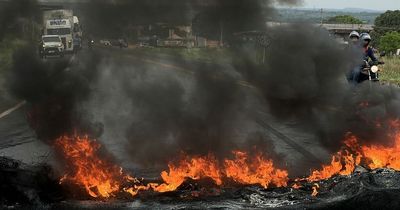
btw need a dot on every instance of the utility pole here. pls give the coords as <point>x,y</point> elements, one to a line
<point>322,16</point>
<point>264,54</point>
<point>221,39</point>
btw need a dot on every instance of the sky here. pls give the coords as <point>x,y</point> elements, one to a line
<point>364,4</point>
<point>338,4</point>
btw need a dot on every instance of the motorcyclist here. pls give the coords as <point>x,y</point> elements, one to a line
<point>354,46</point>
<point>354,37</point>
<point>368,54</point>
<point>90,43</point>
<point>368,51</point>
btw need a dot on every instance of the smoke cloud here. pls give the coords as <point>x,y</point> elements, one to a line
<point>210,18</point>
<point>153,114</point>
<point>196,121</point>
<point>163,114</point>
<point>304,79</point>
<point>18,16</point>
<point>53,88</point>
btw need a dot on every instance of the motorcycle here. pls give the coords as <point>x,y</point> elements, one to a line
<point>370,71</point>
<point>90,44</point>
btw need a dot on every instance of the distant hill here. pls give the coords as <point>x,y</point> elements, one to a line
<point>360,10</point>
<point>314,15</point>
<point>349,9</point>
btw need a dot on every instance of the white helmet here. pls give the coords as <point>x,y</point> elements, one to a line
<point>366,37</point>
<point>354,34</point>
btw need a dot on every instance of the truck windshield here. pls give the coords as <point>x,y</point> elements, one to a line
<point>58,31</point>
<point>51,39</point>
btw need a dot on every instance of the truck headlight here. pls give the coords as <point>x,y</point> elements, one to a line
<point>60,45</point>
<point>43,46</point>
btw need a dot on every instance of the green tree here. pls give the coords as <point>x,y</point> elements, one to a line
<point>344,19</point>
<point>390,20</point>
<point>384,23</point>
<point>390,42</point>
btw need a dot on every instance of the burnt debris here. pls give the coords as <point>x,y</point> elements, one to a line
<point>373,189</point>
<point>27,185</point>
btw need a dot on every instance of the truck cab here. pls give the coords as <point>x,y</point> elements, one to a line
<point>51,45</point>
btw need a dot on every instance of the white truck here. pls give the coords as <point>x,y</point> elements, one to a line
<point>64,24</point>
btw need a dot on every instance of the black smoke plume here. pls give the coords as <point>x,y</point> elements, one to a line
<point>209,18</point>
<point>114,18</point>
<point>53,88</point>
<point>19,18</point>
<point>196,121</point>
<point>304,79</point>
<point>164,116</point>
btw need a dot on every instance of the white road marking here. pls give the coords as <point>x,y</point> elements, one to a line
<point>12,109</point>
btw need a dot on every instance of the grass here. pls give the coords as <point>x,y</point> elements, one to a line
<point>390,72</point>
<point>7,48</point>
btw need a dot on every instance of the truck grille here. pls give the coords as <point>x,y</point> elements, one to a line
<point>51,50</point>
<point>64,41</point>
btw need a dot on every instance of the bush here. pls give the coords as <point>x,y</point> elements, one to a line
<point>390,42</point>
<point>344,19</point>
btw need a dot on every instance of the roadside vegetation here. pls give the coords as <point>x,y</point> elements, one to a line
<point>391,70</point>
<point>386,37</point>
<point>390,42</point>
<point>7,48</point>
<point>386,34</point>
<point>344,19</point>
<point>19,24</point>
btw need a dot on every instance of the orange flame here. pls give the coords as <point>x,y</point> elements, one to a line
<point>241,169</point>
<point>296,186</point>
<point>101,178</point>
<point>381,156</point>
<point>257,170</point>
<point>86,168</point>
<point>351,155</point>
<point>194,168</point>
<point>343,162</point>
<point>315,190</point>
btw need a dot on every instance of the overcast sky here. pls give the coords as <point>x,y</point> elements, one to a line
<point>365,4</point>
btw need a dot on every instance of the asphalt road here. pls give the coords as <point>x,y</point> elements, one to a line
<point>298,149</point>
